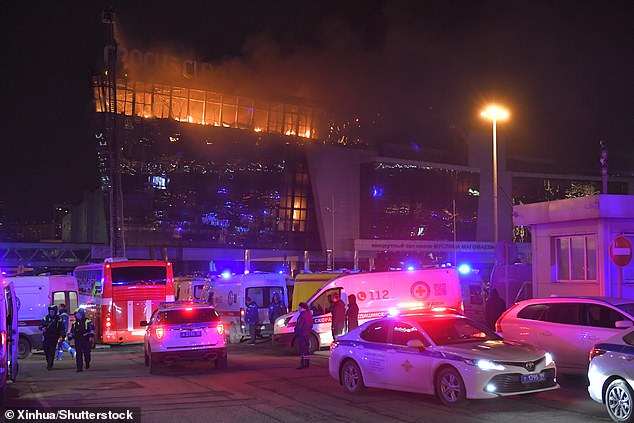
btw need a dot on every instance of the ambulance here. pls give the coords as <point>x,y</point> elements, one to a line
<point>228,296</point>
<point>8,337</point>
<point>34,295</point>
<point>188,288</point>
<point>377,293</point>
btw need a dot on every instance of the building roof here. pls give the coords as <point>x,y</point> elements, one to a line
<point>579,208</point>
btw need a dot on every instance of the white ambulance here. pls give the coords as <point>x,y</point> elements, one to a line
<point>34,295</point>
<point>8,337</point>
<point>228,296</point>
<point>378,293</point>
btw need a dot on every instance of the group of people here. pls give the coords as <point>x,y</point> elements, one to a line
<point>252,316</point>
<point>55,331</point>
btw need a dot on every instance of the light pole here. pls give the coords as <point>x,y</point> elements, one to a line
<point>495,113</point>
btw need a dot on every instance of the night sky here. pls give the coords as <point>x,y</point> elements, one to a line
<point>563,68</point>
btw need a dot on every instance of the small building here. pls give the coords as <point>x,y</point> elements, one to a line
<point>571,245</point>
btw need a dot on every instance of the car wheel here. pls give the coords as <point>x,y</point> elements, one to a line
<point>450,387</point>
<point>234,338</point>
<point>24,348</point>
<point>146,358</point>
<point>221,362</point>
<point>351,378</point>
<point>154,364</point>
<point>619,401</point>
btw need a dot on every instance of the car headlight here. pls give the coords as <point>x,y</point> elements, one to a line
<point>282,321</point>
<point>485,364</point>
<point>548,359</point>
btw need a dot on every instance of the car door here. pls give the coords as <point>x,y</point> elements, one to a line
<point>372,353</point>
<point>599,323</point>
<point>408,367</point>
<point>559,332</point>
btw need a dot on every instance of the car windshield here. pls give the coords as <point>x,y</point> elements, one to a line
<point>188,315</point>
<point>453,330</point>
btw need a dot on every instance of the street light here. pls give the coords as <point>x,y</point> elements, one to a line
<point>495,113</point>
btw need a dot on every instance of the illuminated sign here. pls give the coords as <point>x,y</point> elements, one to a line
<point>148,60</point>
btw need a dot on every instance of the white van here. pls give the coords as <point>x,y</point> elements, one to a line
<point>34,295</point>
<point>378,293</point>
<point>8,337</point>
<point>228,296</point>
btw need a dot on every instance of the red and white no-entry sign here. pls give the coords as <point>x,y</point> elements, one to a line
<point>621,251</point>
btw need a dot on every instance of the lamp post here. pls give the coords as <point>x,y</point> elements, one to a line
<point>495,113</point>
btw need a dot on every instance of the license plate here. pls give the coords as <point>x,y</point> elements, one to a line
<point>534,377</point>
<point>190,333</point>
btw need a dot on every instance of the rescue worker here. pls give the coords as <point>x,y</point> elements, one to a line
<point>493,308</point>
<point>63,345</point>
<point>302,332</point>
<point>352,314</point>
<point>338,310</point>
<point>52,329</point>
<point>83,332</point>
<point>251,318</point>
<point>277,308</point>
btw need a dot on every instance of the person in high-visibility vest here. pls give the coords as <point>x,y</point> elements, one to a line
<point>83,332</point>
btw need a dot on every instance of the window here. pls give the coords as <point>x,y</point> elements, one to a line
<point>263,295</point>
<point>576,258</point>
<point>601,316</point>
<point>565,313</point>
<point>321,305</point>
<point>533,312</point>
<point>404,332</point>
<point>376,332</point>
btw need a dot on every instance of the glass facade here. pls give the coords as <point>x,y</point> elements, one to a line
<point>203,186</point>
<point>400,201</point>
<point>202,107</point>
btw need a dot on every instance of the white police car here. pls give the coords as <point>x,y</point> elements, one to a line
<point>439,353</point>
<point>611,375</point>
<point>184,330</point>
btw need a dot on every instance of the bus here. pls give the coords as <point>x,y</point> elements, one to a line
<point>119,293</point>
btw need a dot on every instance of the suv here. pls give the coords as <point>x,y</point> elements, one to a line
<point>567,327</point>
<point>184,330</point>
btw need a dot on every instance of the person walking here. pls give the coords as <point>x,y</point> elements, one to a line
<point>277,308</point>
<point>338,310</point>
<point>251,318</point>
<point>83,332</point>
<point>63,345</point>
<point>302,332</point>
<point>493,308</point>
<point>52,329</point>
<point>352,313</point>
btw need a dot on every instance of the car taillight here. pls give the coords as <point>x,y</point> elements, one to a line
<point>220,328</point>
<point>159,332</point>
<point>108,322</point>
<point>595,352</point>
<point>241,316</point>
<point>498,322</point>
<point>333,345</point>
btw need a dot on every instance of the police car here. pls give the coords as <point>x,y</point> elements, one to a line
<point>439,353</point>
<point>611,375</point>
<point>184,330</point>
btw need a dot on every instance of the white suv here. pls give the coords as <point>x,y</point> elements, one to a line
<point>567,327</point>
<point>184,330</point>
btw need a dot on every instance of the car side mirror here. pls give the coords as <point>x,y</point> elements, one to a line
<point>143,323</point>
<point>416,343</point>
<point>623,324</point>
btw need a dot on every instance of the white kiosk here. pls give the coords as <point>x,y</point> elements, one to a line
<point>579,245</point>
